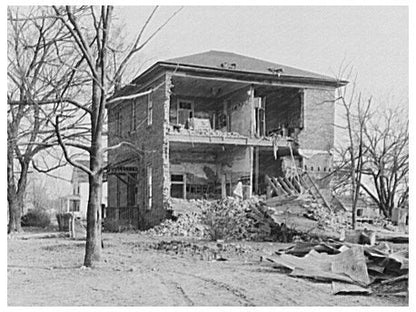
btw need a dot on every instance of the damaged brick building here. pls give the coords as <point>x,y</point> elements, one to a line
<point>207,124</point>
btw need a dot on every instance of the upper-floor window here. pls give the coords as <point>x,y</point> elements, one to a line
<point>185,111</point>
<point>118,122</point>
<point>150,108</point>
<point>133,121</point>
<point>76,189</point>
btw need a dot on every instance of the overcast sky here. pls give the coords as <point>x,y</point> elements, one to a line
<point>373,39</point>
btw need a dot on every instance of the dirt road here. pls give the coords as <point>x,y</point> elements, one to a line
<point>47,272</point>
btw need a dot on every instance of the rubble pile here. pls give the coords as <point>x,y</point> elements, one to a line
<point>235,219</point>
<point>326,218</point>
<point>229,219</point>
<point>351,268</point>
<point>187,224</point>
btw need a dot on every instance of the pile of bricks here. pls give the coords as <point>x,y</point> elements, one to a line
<point>187,224</point>
<point>327,219</point>
<point>235,219</point>
<point>228,219</point>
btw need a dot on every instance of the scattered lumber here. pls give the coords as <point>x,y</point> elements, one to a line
<point>393,237</point>
<point>349,289</point>
<point>351,268</point>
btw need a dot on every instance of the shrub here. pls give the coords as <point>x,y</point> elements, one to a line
<point>38,218</point>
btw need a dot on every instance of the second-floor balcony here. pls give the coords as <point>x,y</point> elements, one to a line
<point>200,131</point>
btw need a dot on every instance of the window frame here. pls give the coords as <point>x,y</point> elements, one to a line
<point>133,120</point>
<point>149,186</point>
<point>150,108</point>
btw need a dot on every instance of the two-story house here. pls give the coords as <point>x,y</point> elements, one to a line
<point>206,123</point>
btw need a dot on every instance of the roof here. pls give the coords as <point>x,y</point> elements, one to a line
<point>231,65</point>
<point>224,60</point>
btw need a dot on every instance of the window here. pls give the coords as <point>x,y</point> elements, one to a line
<point>74,205</point>
<point>259,108</point>
<point>149,186</point>
<point>118,123</point>
<point>185,111</point>
<point>149,108</point>
<point>177,186</point>
<point>133,121</point>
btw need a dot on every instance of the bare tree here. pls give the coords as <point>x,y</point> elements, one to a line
<point>36,80</point>
<point>357,113</point>
<point>387,159</point>
<point>377,146</point>
<point>91,30</point>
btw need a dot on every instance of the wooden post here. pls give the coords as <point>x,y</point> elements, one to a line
<point>250,159</point>
<point>223,186</point>
<point>72,225</point>
<point>256,170</point>
<point>253,112</point>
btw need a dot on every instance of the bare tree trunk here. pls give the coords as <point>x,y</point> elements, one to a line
<point>93,245</point>
<point>15,194</point>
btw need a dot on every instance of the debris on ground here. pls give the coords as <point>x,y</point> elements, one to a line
<point>214,251</point>
<point>372,269</point>
<point>229,218</point>
<point>281,218</point>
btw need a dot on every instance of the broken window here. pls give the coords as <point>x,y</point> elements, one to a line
<point>150,109</point>
<point>149,186</point>
<point>185,111</point>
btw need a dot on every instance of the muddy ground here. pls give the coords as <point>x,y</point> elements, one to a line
<point>139,270</point>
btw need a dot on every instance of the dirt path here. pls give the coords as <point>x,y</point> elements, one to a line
<point>47,272</point>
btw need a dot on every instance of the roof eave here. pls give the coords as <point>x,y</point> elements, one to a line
<point>310,80</point>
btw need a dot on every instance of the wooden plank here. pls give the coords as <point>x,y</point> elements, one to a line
<point>256,170</point>
<point>285,186</point>
<point>223,186</point>
<point>396,279</point>
<point>349,289</point>
<point>280,187</point>
<point>269,181</point>
<point>290,185</point>
<point>318,192</point>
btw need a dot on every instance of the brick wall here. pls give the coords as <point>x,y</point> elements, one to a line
<point>318,131</point>
<point>147,138</point>
<point>318,120</point>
